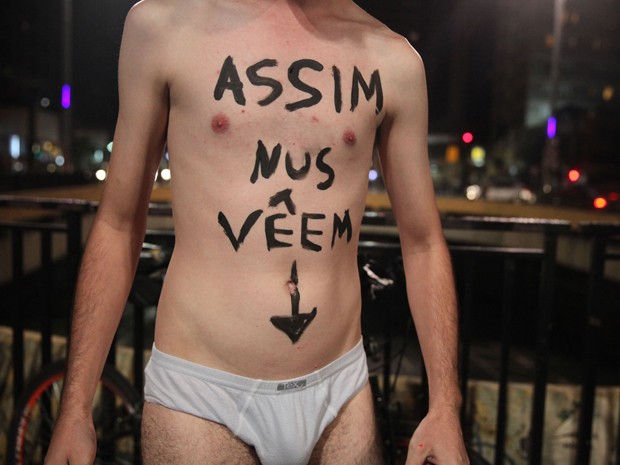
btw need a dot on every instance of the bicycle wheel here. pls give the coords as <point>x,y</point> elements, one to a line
<point>116,417</point>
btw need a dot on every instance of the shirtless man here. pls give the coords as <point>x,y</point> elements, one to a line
<point>270,110</point>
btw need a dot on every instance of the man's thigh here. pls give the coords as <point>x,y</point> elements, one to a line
<point>352,438</point>
<point>174,438</point>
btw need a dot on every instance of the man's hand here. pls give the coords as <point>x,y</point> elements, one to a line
<point>74,441</point>
<point>438,441</point>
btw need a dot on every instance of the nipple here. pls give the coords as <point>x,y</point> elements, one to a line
<point>349,137</point>
<point>220,123</point>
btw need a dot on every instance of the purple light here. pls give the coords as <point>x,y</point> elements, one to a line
<point>552,126</point>
<point>66,96</point>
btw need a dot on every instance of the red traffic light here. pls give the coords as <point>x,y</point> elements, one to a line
<point>574,175</point>
<point>467,137</point>
<point>600,203</point>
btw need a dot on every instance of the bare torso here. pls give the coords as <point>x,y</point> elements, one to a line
<point>254,232</point>
<point>270,110</point>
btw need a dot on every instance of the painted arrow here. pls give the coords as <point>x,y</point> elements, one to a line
<point>295,324</point>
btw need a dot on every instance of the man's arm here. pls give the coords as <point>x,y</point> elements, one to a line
<point>112,250</point>
<point>430,288</point>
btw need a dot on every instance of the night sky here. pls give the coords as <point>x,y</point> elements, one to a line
<point>34,61</point>
<point>98,30</point>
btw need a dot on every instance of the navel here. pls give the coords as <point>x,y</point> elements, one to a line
<point>220,123</point>
<point>349,137</point>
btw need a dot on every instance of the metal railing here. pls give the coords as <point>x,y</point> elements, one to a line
<point>546,257</point>
<point>377,229</point>
<point>602,236</point>
<point>66,221</point>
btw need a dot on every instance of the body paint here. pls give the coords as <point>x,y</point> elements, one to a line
<point>271,231</point>
<point>255,79</point>
<point>341,226</point>
<point>337,89</point>
<point>229,80</point>
<point>245,229</point>
<point>368,89</point>
<point>293,77</point>
<point>301,173</point>
<point>325,168</point>
<point>266,165</point>
<point>305,232</point>
<point>264,162</point>
<point>295,324</point>
<point>283,196</point>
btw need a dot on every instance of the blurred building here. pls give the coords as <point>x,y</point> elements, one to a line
<point>32,56</point>
<point>487,64</point>
<point>587,87</point>
<point>29,77</point>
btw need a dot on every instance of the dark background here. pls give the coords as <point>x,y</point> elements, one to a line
<point>488,65</point>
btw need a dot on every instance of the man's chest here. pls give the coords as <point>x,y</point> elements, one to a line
<point>295,83</point>
<point>277,81</point>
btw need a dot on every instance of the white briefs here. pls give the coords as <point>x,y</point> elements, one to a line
<point>283,420</point>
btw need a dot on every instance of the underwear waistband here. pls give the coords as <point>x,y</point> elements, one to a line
<point>243,383</point>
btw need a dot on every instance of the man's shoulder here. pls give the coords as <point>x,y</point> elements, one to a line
<point>392,47</point>
<point>150,17</point>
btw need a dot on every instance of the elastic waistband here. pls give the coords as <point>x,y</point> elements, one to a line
<point>179,365</point>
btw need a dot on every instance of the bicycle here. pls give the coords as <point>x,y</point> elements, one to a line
<point>379,277</point>
<point>117,406</point>
<point>116,415</point>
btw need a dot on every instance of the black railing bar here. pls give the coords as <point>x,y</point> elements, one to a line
<point>599,228</point>
<point>64,204</point>
<point>498,223</point>
<point>463,249</point>
<point>465,328</point>
<point>17,245</point>
<point>502,402</point>
<point>593,322</point>
<point>363,244</point>
<point>138,346</point>
<point>387,231</point>
<point>617,454</point>
<point>46,326</point>
<point>612,256</point>
<point>512,251</point>
<point>477,249</point>
<point>160,209</point>
<point>159,233</point>
<point>24,226</point>
<point>378,217</point>
<point>74,256</point>
<point>67,204</point>
<point>491,223</point>
<point>543,349</point>
<point>111,358</point>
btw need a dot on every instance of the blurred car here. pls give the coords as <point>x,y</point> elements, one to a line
<point>501,189</point>
<point>606,198</point>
